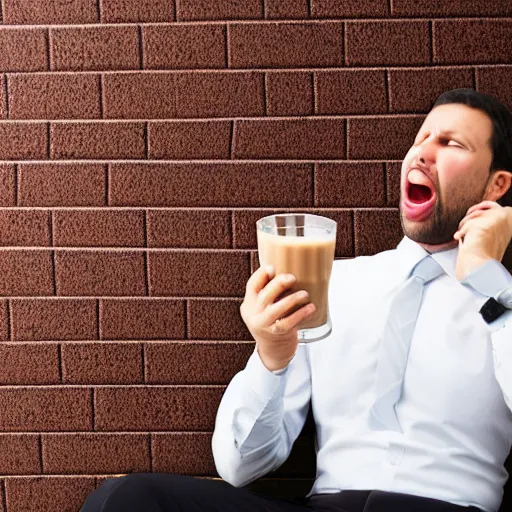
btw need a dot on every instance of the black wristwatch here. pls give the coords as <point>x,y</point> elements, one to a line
<point>496,306</point>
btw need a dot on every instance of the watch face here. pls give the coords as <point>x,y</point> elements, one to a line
<point>492,310</point>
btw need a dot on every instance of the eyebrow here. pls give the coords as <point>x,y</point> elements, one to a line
<point>450,133</point>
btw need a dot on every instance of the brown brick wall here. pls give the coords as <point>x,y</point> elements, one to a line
<point>140,142</point>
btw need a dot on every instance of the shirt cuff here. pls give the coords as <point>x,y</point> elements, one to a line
<point>261,380</point>
<point>491,279</point>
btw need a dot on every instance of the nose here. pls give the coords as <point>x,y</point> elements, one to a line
<point>426,153</point>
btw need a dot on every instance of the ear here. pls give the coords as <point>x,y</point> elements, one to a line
<point>499,183</point>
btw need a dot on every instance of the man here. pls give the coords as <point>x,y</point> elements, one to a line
<point>434,438</point>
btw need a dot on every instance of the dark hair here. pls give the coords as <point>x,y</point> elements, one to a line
<point>501,117</point>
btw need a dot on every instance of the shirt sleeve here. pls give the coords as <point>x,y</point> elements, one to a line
<point>259,418</point>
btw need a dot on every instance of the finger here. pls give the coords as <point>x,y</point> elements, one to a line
<point>285,306</point>
<point>293,320</point>
<point>484,205</point>
<point>474,215</point>
<point>259,279</point>
<point>277,286</point>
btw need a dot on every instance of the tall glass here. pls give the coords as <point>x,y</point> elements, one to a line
<point>302,245</point>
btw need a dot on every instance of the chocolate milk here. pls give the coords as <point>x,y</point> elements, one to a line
<point>309,259</point>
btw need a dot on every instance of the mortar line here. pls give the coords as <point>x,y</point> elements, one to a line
<point>40,446</point>
<point>231,139</point>
<point>92,408</point>
<point>187,318</point>
<point>54,277</point>
<point>231,228</point>
<point>6,97</point>
<point>98,9</point>
<point>100,86</point>
<point>59,357</point>
<point>141,49</point>
<point>4,497</point>
<point>16,191</point>
<point>386,89</point>
<point>431,35</point>
<point>98,330</point>
<point>107,185</point>
<point>143,362</point>
<point>8,312</point>
<point>385,176</point>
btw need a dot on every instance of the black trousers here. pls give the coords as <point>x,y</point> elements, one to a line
<point>153,492</point>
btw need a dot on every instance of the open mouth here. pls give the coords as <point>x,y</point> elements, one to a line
<point>420,196</point>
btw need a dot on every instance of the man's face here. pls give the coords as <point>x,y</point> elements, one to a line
<point>445,172</point>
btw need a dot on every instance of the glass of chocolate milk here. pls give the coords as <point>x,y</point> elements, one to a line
<point>302,245</point>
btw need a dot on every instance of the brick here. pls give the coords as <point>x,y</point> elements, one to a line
<point>99,140</point>
<point>23,49</point>
<point>184,46</point>
<point>49,12</point>
<point>3,97</point>
<point>47,494</point>
<point>45,409</point>
<point>355,184</point>
<point>351,9</point>
<point>436,8</point>
<point>29,364</point>
<point>210,185</point>
<point>66,96</point>
<point>98,228</point>
<point>220,10</point>
<point>406,96</point>
<point>195,363</point>
<point>197,273</point>
<point>23,141</point>
<point>382,138</point>
<point>127,11</point>
<point>102,363</point>
<point>286,9</point>
<point>142,319</point>
<point>157,408</point>
<point>382,43</point>
<point>496,81</point>
<point>7,185</point>
<point>24,228</point>
<point>189,140</point>
<point>4,321</point>
<point>25,272</point>
<point>99,272</point>
<point>472,41</point>
<point>351,92</point>
<point>210,94</point>
<point>216,319</point>
<point>290,138</point>
<point>139,95</point>
<point>76,454</point>
<point>285,45</point>
<point>189,229</point>
<point>20,454</point>
<point>59,184</point>
<point>289,93</point>
<point>94,48</point>
<point>376,231</point>
<point>53,319</point>
<point>183,453</point>
<point>393,173</point>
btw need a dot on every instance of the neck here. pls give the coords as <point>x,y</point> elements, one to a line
<point>440,247</point>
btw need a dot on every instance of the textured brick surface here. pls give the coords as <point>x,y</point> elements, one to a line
<point>366,140</point>
<point>376,231</point>
<point>350,9</point>
<point>216,319</point>
<point>496,81</point>
<point>351,92</point>
<point>198,273</point>
<point>125,11</point>
<point>393,170</point>
<point>189,140</point>
<point>285,45</point>
<point>101,363</point>
<point>283,9</point>
<point>289,94</point>
<point>350,184</point>
<point>45,409</point>
<point>244,227</point>
<point>156,408</point>
<point>142,319</point>
<point>66,96</point>
<point>97,140</point>
<point>24,227</point>
<point>222,9</point>
<point>94,48</point>
<point>407,95</point>
<point>51,12</point>
<point>195,363</point>
<point>293,139</point>
<point>29,364</point>
<point>62,184</point>
<point>183,453</point>
<point>472,41</point>
<point>47,494</point>
<point>20,454</point>
<point>189,229</point>
<point>3,97</point>
<point>452,8</point>
<point>22,140</point>
<point>210,185</point>
<point>7,187</point>
<point>98,272</point>
<point>98,228</point>
<point>77,454</point>
<point>4,321</point>
<point>25,272</point>
<point>387,43</point>
<point>23,49</point>
<point>53,319</point>
<point>184,46</point>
